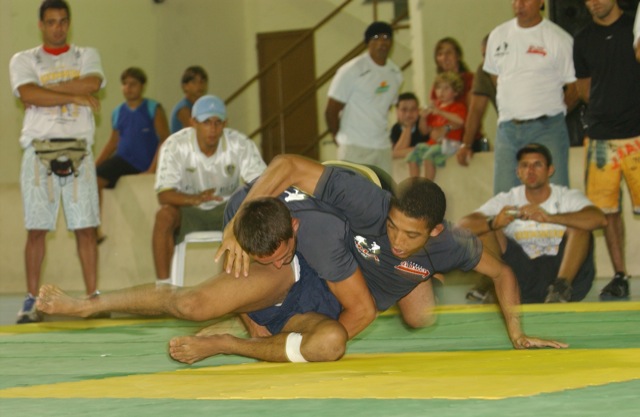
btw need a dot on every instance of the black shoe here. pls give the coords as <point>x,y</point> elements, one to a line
<point>617,289</point>
<point>559,291</point>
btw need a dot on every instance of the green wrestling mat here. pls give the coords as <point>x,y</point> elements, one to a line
<point>463,366</point>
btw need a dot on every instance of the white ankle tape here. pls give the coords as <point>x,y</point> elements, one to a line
<point>294,340</point>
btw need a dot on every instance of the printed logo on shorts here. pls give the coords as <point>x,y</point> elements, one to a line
<point>413,270</point>
<point>369,251</point>
<point>622,151</point>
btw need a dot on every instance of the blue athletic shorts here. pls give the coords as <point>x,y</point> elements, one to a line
<point>309,294</point>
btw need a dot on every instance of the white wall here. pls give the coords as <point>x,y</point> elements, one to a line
<point>332,41</point>
<point>219,35</point>
<point>164,39</point>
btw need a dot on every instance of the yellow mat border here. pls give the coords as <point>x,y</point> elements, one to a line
<point>537,308</point>
<point>489,375</point>
<point>60,326</point>
<point>56,326</point>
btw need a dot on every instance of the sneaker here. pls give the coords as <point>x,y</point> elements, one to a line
<point>617,289</point>
<point>476,295</point>
<point>28,312</point>
<point>481,295</point>
<point>559,292</point>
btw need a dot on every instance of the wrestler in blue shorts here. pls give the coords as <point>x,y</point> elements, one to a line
<point>308,294</point>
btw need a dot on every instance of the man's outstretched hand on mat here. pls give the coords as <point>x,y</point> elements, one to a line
<point>527,342</point>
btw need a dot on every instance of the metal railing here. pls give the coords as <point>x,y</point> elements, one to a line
<point>286,52</point>
<point>312,88</point>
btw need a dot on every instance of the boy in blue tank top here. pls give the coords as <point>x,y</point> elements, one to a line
<point>195,83</point>
<point>139,126</point>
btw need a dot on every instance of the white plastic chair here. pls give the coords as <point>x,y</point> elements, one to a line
<point>180,251</point>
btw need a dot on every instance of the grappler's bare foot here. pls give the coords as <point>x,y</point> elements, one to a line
<point>52,300</point>
<point>222,325</point>
<point>191,349</point>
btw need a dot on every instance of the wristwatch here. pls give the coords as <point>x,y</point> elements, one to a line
<point>490,220</point>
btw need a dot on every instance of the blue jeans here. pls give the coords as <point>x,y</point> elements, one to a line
<point>551,132</point>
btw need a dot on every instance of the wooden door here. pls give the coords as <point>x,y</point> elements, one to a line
<point>282,88</point>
